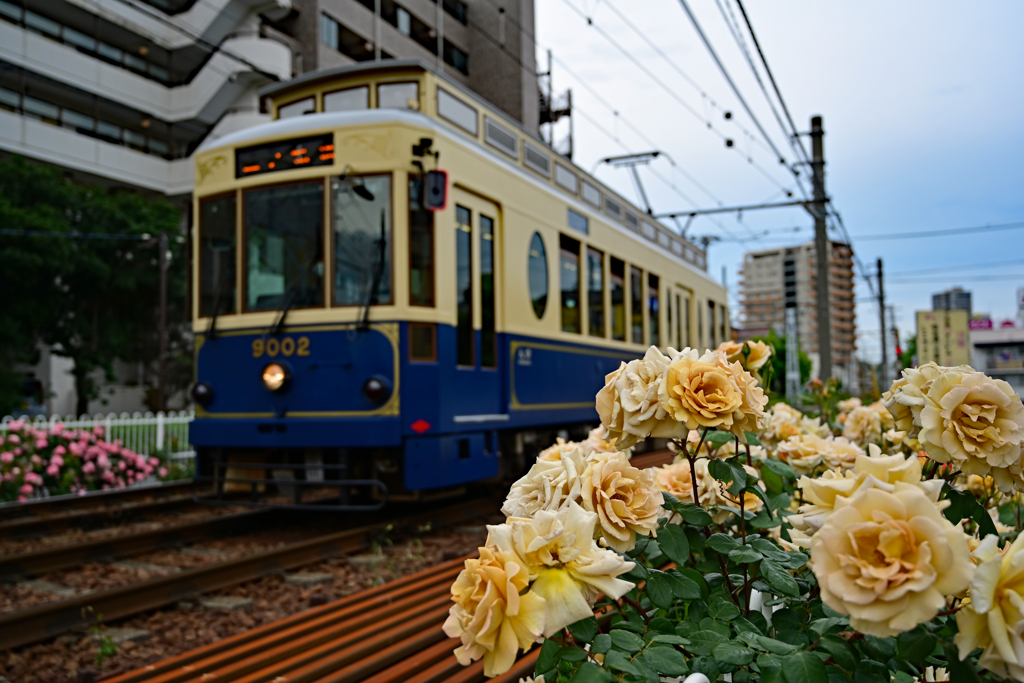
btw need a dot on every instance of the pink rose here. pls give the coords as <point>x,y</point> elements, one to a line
<point>53,470</point>
<point>16,425</point>
<point>15,470</point>
<point>57,460</point>
<point>18,451</point>
<point>162,472</point>
<point>7,457</point>
<point>41,443</point>
<point>60,450</point>
<point>122,465</point>
<point>97,430</point>
<point>154,461</point>
<point>36,460</point>
<point>58,428</point>
<point>88,468</point>
<point>14,438</point>
<point>26,489</point>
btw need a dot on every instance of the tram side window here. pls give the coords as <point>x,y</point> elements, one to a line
<point>722,317</point>
<point>398,96</point>
<point>653,308</point>
<point>618,275</point>
<point>464,285</point>
<point>679,322</point>
<point>686,321</point>
<point>595,292</point>
<point>570,277</point>
<point>537,267</point>
<point>217,255</point>
<point>361,228</point>
<point>488,348</point>
<point>421,247</point>
<point>711,323</point>
<point>284,246</point>
<point>636,296</point>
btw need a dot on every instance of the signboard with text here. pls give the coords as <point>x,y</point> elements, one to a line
<point>943,338</point>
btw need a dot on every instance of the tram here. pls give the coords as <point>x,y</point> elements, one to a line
<point>398,290</point>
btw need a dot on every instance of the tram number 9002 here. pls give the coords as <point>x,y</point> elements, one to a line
<point>286,346</point>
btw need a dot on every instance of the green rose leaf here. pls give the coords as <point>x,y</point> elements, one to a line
<point>640,546</point>
<point>602,643</point>
<point>624,640</point>
<point>659,589</point>
<point>723,609</point>
<point>718,438</point>
<point>684,587</point>
<point>779,579</point>
<point>771,668</point>
<point>840,651</point>
<point>879,649</point>
<point>673,542</point>
<point>691,576</point>
<point>584,630</point>
<point>705,642</point>
<point>666,660</point>
<point>803,667</point>
<point>669,639</point>
<point>620,662</point>
<point>548,657</point>
<point>960,671</point>
<point>637,574</point>
<point>776,646</point>
<point>571,654</point>
<point>745,555</point>
<point>780,468</point>
<point>727,471</point>
<point>733,653</point>
<point>692,514</point>
<point>752,438</point>
<point>723,543</point>
<point>591,673</point>
<point>821,626</point>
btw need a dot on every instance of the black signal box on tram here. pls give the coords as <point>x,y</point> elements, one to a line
<point>435,190</point>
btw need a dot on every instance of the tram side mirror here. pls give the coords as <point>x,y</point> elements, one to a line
<point>435,191</point>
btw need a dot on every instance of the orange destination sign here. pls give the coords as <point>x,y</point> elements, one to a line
<point>285,155</point>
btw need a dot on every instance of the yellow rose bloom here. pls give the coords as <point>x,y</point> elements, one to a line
<point>626,499</point>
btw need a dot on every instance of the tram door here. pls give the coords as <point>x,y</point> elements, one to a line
<point>477,391</point>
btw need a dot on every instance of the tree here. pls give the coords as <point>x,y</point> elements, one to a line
<point>92,300</point>
<point>775,376</point>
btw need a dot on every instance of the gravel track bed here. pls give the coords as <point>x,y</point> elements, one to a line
<point>187,626</point>
<point>122,527</point>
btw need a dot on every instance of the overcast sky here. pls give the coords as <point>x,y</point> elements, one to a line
<point>923,110</point>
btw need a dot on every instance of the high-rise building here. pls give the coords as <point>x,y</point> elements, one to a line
<point>124,92</point>
<point>773,278</point>
<point>955,299</point>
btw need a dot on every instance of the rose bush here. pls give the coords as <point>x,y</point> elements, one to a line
<point>777,547</point>
<point>36,461</point>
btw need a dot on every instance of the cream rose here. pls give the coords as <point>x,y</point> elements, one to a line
<point>625,499</point>
<point>977,422</point>
<point>750,355</point>
<point>863,425</point>
<point>494,615</point>
<point>708,392</point>
<point>993,617</point>
<point>849,404</point>
<point>567,568</point>
<point>804,452</point>
<point>889,559</point>
<point>906,398</point>
<point>549,485</point>
<point>840,454</point>
<point>629,405</point>
<point>675,479</point>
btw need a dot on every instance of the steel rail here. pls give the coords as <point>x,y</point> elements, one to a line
<point>50,619</point>
<point>93,499</point>
<point>49,559</point>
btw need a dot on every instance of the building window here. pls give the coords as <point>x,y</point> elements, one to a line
<point>653,309</point>
<point>456,58</point>
<point>398,96</point>
<point>349,99</point>
<point>711,323</point>
<point>464,286</point>
<point>421,247</point>
<point>403,21</point>
<point>636,300</point>
<point>618,292</point>
<point>284,246</point>
<point>423,342</point>
<point>578,222</point>
<point>570,279</point>
<point>217,255</point>
<point>488,340</point>
<point>538,275</point>
<point>329,31</point>
<point>595,292</point>
<point>362,240</point>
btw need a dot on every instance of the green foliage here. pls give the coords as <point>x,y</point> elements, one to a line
<point>775,376</point>
<point>92,300</point>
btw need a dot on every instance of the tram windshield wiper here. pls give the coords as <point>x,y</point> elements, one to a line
<point>290,296</point>
<point>376,273</point>
<point>211,331</point>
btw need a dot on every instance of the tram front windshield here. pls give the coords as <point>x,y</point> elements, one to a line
<point>361,224</point>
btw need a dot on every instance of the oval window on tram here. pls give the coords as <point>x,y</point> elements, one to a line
<point>538,272</point>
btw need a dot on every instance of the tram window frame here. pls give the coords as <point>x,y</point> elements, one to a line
<point>414,354</point>
<point>351,90</point>
<point>390,256</point>
<point>488,316</point>
<point>711,324</point>
<point>637,307</point>
<point>569,250</point>
<point>309,101</point>
<point>385,84</point>
<point>536,265</point>
<point>233,260</point>
<point>246,240</point>
<point>595,293</point>
<point>418,218</point>
<point>722,318</point>
<point>687,329</point>
<point>617,274</point>
<point>654,309</point>
<point>465,334</point>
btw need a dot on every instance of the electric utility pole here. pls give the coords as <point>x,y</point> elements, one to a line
<point>822,250</point>
<point>162,262</point>
<point>886,371</point>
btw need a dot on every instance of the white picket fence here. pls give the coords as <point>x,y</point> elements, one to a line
<point>143,433</point>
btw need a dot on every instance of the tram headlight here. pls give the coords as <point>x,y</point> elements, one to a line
<point>202,393</point>
<point>275,377</point>
<point>376,390</point>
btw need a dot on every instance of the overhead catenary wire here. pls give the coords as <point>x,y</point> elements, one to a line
<point>942,233</point>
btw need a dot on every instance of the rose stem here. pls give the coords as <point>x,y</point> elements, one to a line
<point>692,459</point>
<point>743,540</point>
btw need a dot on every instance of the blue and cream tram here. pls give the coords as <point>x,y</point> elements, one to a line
<point>366,322</point>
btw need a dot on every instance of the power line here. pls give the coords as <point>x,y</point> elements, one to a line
<point>967,278</point>
<point>939,233</point>
<point>970,266</point>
